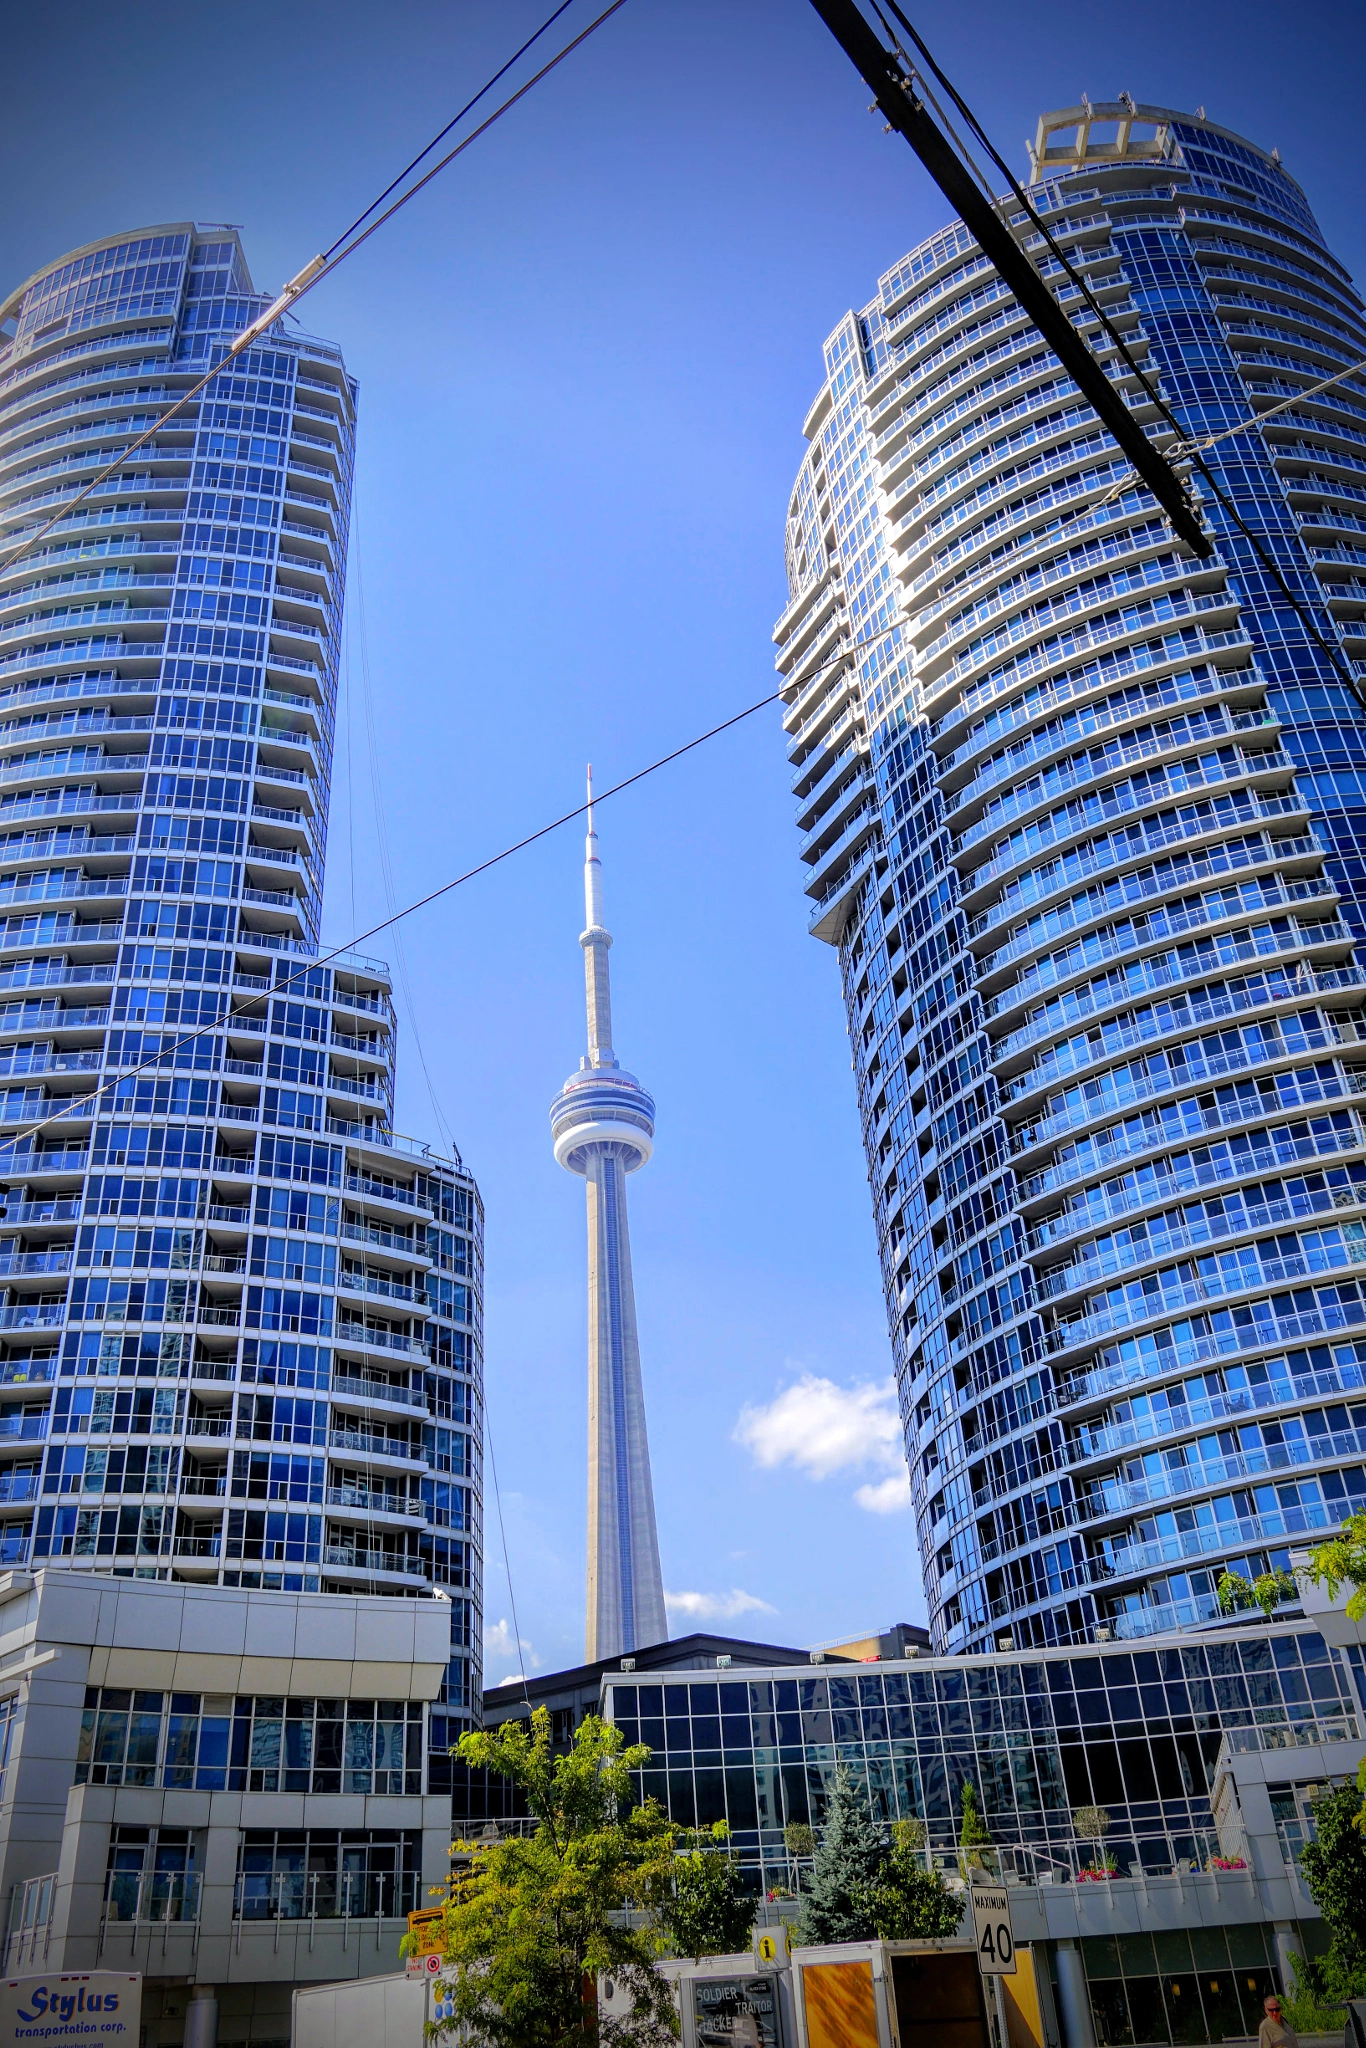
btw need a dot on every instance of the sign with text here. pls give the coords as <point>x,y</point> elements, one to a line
<point>992,1931</point>
<point>736,2012</point>
<point>78,2009</point>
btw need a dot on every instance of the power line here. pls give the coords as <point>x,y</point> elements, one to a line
<point>1186,447</point>
<point>507,1561</point>
<point>454,122</point>
<point>432,896</point>
<point>312,273</point>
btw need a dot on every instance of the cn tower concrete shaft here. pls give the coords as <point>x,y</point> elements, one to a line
<point>602,1125</point>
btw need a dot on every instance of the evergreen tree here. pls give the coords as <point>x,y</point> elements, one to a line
<point>974,1840</point>
<point>839,1902</point>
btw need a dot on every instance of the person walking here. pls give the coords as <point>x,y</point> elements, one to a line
<point>1275,2032</point>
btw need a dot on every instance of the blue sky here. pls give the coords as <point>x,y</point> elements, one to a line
<point>585,354</point>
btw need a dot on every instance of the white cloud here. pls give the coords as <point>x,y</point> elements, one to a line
<point>888,1497</point>
<point>717,1606</point>
<point>821,1428</point>
<point>499,1642</point>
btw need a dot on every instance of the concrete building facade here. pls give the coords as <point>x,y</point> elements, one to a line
<point>1085,818</point>
<point>220,1789</point>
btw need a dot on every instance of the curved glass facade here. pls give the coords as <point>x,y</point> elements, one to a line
<point>1086,820</point>
<point>240,1340</point>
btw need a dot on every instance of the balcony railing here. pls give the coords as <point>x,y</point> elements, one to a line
<point>344,1559</point>
<point>151,1898</point>
<point>369,1502</point>
<point>326,1895</point>
<point>378,1390</point>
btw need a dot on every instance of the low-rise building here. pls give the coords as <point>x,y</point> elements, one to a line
<point>1146,1805</point>
<point>223,1789</point>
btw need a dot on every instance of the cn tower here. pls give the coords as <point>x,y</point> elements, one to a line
<point>602,1124</point>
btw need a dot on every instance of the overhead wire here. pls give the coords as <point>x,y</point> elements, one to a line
<point>507,1561</point>
<point>328,954</point>
<point>1187,449</point>
<point>444,1128</point>
<point>454,122</point>
<point>311,275</point>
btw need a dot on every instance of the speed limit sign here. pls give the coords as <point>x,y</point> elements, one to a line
<point>992,1931</point>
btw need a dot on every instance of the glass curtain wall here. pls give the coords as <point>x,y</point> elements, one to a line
<point>240,1333</point>
<point>1084,817</point>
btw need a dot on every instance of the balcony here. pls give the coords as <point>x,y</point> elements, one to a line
<point>1151,977</point>
<point>378,1190</point>
<point>1231,1286</point>
<point>1168,1244</point>
<point>365,1500</point>
<point>373,1446</point>
<point>1116,1206</point>
<point>1289,1093</point>
<point>25,1428</point>
<point>1253,807</point>
<point>361,1337</point>
<point>150,1898</point>
<point>19,1264</point>
<point>1193,687</point>
<point>378,1392</point>
<point>1074,1056</point>
<point>1081,771</point>
<point>1137,887</point>
<point>1148,928</point>
<point>372,1283</point>
<point>391,1561</point>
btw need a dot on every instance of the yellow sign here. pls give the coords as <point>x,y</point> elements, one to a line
<point>424,1930</point>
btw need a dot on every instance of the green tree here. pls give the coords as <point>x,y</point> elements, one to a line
<point>974,1837</point>
<point>1334,1867</point>
<point>698,1898</point>
<point>526,1929</point>
<point>1342,1561</point>
<point>912,1903</point>
<point>849,1861</point>
<point>1266,1592</point>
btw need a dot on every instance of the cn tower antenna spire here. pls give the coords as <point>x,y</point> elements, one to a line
<point>595,941</point>
<point>602,1124</point>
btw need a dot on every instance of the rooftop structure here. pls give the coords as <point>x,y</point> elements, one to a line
<point>602,1124</point>
<point>1083,816</point>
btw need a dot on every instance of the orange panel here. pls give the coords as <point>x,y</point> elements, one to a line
<point>1024,2021</point>
<point>840,2007</point>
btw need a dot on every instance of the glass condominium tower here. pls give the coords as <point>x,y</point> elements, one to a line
<point>240,1341</point>
<point>1085,818</point>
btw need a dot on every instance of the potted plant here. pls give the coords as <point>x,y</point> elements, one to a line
<point>1092,1824</point>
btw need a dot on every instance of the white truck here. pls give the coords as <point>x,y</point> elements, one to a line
<point>362,2012</point>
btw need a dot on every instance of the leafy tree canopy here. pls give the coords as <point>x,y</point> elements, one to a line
<point>911,1903</point>
<point>1342,1561</point>
<point>532,1922</point>
<point>1266,1592</point>
<point>698,1897</point>
<point>1334,1867</point>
